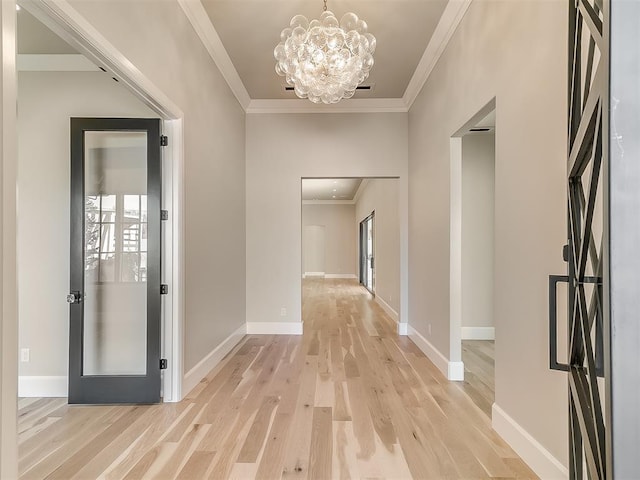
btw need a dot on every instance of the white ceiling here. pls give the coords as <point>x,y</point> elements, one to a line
<point>250,29</point>
<point>330,188</point>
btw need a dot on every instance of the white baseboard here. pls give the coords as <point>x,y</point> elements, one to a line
<point>455,372</point>
<point>208,363</point>
<point>387,308</point>
<point>478,333</point>
<point>312,274</point>
<point>539,459</point>
<point>274,328</point>
<point>452,370</point>
<point>403,328</point>
<point>340,275</point>
<point>38,386</point>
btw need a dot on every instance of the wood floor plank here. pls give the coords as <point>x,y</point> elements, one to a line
<point>347,399</point>
<point>255,440</point>
<point>321,444</point>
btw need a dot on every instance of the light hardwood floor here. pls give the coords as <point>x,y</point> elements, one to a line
<point>348,399</point>
<point>479,372</point>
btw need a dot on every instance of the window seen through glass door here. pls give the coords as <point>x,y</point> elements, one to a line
<point>116,238</point>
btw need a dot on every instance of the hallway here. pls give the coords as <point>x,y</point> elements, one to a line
<point>348,399</point>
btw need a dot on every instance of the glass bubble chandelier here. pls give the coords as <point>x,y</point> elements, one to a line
<point>325,60</point>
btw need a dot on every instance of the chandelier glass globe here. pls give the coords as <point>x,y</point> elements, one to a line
<point>325,60</point>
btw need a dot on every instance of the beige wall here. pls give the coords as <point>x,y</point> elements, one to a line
<point>339,237</point>
<point>159,40</point>
<point>281,150</point>
<point>46,101</point>
<point>478,192</point>
<point>381,195</point>
<point>515,52</point>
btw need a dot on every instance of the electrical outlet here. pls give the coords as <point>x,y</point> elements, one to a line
<point>24,355</point>
<point>283,312</point>
<point>429,329</point>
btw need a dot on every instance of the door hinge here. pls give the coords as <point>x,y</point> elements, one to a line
<point>164,289</point>
<point>163,364</point>
<point>164,140</point>
<point>164,214</point>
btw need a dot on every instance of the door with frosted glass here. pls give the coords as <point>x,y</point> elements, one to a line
<point>114,334</point>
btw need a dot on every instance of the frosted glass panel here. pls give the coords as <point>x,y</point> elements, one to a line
<point>115,244</point>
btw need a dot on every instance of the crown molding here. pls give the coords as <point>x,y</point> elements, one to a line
<point>351,105</point>
<point>361,188</point>
<point>328,202</point>
<point>446,27</point>
<point>55,63</point>
<point>451,18</point>
<point>195,12</point>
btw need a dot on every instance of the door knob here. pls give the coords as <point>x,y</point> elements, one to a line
<point>74,297</point>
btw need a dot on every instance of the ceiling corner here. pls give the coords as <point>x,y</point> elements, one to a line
<point>451,17</point>
<point>195,12</point>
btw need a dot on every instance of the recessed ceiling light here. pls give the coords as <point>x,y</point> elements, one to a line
<point>334,196</point>
<point>18,8</point>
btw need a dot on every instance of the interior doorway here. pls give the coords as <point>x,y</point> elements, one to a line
<point>367,253</point>
<point>472,256</point>
<point>351,238</point>
<point>47,99</point>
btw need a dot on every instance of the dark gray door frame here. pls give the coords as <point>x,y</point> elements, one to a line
<point>117,388</point>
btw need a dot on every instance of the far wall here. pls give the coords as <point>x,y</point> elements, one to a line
<point>478,192</point>
<point>283,149</point>
<point>381,195</point>
<point>339,246</point>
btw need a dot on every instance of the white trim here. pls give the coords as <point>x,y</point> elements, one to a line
<point>328,202</point>
<point>478,333</point>
<point>197,15</point>
<point>313,274</point>
<point>452,370</point>
<point>387,308</point>
<point>449,21</point>
<point>351,105</point>
<point>39,386</point>
<point>208,363</point>
<point>65,21</point>
<point>173,259</point>
<point>350,276</point>
<point>55,63</point>
<point>361,188</point>
<point>455,248</point>
<point>8,242</point>
<point>541,461</point>
<point>403,329</point>
<point>274,328</point>
<point>455,371</point>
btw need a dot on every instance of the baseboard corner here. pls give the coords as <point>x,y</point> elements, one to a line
<point>453,371</point>
<point>403,329</point>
